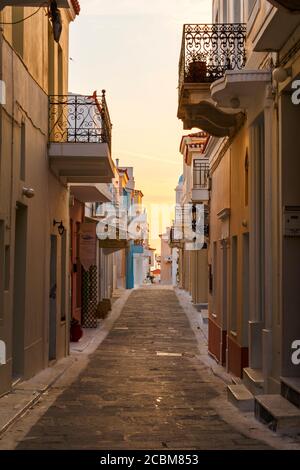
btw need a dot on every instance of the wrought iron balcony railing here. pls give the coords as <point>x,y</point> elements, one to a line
<point>78,118</point>
<point>200,174</point>
<point>208,50</point>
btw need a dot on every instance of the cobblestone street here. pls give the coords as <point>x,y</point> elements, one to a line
<point>143,388</point>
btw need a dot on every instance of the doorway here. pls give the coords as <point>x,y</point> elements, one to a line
<point>245,288</point>
<point>76,272</point>
<point>19,292</point>
<point>52,298</point>
<point>224,305</point>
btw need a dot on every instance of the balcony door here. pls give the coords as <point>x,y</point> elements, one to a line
<point>76,271</point>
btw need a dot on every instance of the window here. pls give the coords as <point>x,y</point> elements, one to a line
<point>6,267</point>
<point>200,174</point>
<point>23,152</point>
<point>225,11</point>
<point>60,85</point>
<point>215,271</point>
<point>51,47</point>
<point>236,13</point>
<point>251,5</point>
<point>246,287</point>
<point>234,267</point>
<point>60,72</point>
<point>216,11</point>
<point>246,179</point>
<point>18,30</point>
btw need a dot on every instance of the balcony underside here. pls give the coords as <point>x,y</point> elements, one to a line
<point>206,116</point>
<point>239,87</point>
<point>81,162</point>
<point>200,195</point>
<point>291,5</point>
<point>91,192</point>
<point>111,246</point>
<point>278,27</point>
<point>31,3</point>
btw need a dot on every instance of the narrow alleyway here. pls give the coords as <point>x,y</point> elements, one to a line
<point>142,389</point>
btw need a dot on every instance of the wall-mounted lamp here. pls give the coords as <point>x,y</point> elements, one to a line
<point>280,74</point>
<point>61,227</point>
<point>28,192</point>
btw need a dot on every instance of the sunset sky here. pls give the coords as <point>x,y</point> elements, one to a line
<point>131,48</point>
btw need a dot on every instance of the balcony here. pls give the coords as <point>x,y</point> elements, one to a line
<point>208,51</point>
<point>80,139</point>
<point>200,190</point>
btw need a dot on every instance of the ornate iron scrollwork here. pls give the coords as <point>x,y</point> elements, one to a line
<point>208,50</point>
<point>78,118</point>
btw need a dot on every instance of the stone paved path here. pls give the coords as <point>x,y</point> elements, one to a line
<point>132,395</point>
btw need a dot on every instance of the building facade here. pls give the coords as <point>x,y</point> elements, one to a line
<point>34,261</point>
<point>243,92</point>
<point>51,169</point>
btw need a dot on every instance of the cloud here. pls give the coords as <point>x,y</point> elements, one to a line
<point>172,8</point>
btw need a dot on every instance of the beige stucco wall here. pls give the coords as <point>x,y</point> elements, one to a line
<point>228,192</point>
<point>199,276</point>
<point>27,102</point>
<point>166,266</point>
<point>220,200</point>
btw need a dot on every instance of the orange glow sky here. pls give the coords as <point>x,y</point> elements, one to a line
<point>131,48</point>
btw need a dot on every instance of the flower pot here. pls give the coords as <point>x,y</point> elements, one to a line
<point>75,333</point>
<point>197,71</point>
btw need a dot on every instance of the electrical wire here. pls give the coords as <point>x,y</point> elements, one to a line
<point>27,17</point>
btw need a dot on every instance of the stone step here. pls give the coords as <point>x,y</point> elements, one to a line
<point>240,397</point>
<point>204,316</point>
<point>253,380</point>
<point>278,413</point>
<point>290,389</point>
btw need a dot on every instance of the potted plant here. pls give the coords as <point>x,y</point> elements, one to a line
<point>197,71</point>
<point>76,331</point>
